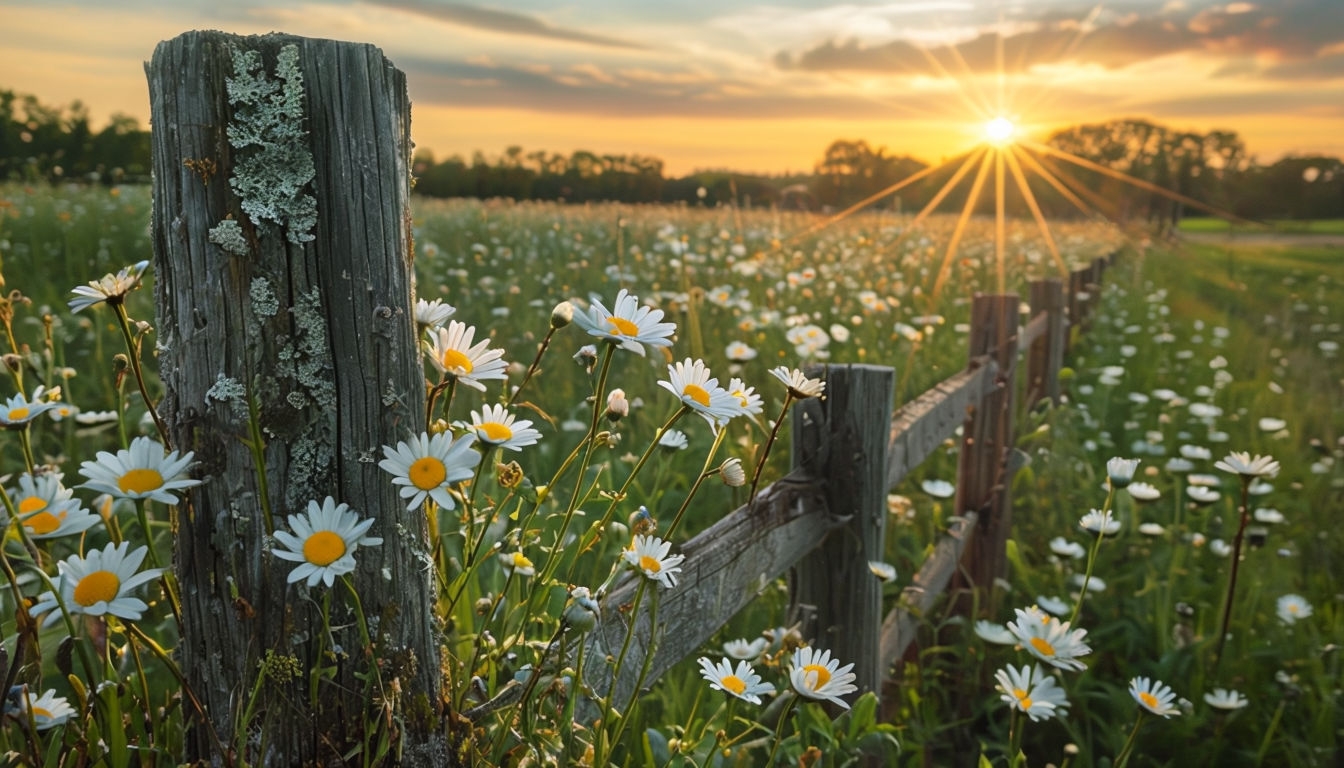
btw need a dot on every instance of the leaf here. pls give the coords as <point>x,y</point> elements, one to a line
<point>863,715</point>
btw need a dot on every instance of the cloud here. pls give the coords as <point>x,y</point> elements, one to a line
<point>504,22</point>
<point>1296,39</point>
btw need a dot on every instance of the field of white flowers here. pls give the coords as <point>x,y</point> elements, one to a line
<point>1173,597</point>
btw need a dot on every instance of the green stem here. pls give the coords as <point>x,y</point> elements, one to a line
<point>769,443</point>
<point>603,742</point>
<point>133,351</point>
<point>532,369</point>
<point>1015,728</point>
<point>1092,559</point>
<point>1232,579</point>
<point>1128,749</point>
<point>705,472</point>
<point>1269,732</point>
<point>645,667</point>
<point>779,729</point>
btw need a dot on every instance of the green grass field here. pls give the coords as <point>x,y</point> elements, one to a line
<point>1284,226</point>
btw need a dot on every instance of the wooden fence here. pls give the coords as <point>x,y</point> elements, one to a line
<point>826,519</point>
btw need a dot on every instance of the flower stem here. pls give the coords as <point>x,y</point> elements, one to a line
<point>779,729</point>
<point>1232,579</point>
<point>603,742</point>
<point>133,351</point>
<point>769,443</point>
<point>1123,758</point>
<point>705,472</point>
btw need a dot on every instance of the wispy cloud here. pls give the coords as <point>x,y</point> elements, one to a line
<point>504,22</point>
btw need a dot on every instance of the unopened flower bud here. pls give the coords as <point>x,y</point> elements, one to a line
<point>438,427</point>
<point>13,362</point>
<point>617,406</point>
<point>562,315</point>
<point>586,356</point>
<point>732,473</point>
<point>581,612</point>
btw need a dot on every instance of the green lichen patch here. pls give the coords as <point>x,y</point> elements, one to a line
<point>264,303</point>
<point>229,236</point>
<point>231,393</point>
<point>273,164</point>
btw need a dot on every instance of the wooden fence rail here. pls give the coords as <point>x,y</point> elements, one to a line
<point>825,520</point>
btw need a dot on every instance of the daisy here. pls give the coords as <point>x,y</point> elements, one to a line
<point>799,385</point>
<point>48,710</point>
<point>324,542</point>
<point>1222,698</point>
<point>432,314</point>
<point>1270,424</point>
<point>674,440</point>
<point>1152,529</point>
<point>1201,494</point>
<point>1032,691</point>
<point>629,326</point>
<point>1243,464</point>
<point>1049,639</point>
<point>19,411</point>
<point>649,555</point>
<point>815,675</point>
<point>1052,605</point>
<point>99,584</point>
<point>992,632</point>
<point>1099,521</point>
<point>1143,492</point>
<point>1179,465</point>
<point>1121,471</point>
<point>109,288</point>
<point>691,383</point>
<point>741,682</point>
<point>1291,608</point>
<point>883,571</point>
<point>1154,696</point>
<point>495,426</point>
<point>143,472</point>
<point>746,396</point>
<point>1196,452</point>
<point>427,466</point>
<point>739,352</point>
<point>517,563</point>
<point>1065,548</point>
<point>939,489</point>
<point>732,473</point>
<point>48,510</point>
<point>453,354</point>
<point>744,649</point>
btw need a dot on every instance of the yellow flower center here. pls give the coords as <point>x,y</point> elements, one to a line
<point>454,360</point>
<point>1292,609</point>
<point>99,586</point>
<point>140,480</point>
<point>323,548</point>
<point>742,398</point>
<point>1149,699</point>
<point>1020,694</point>
<point>696,393</point>
<point>521,561</point>
<point>823,675</point>
<point>1024,702</point>
<point>733,683</point>
<point>427,473</point>
<point>1043,647</point>
<point>622,327</point>
<point>43,523</point>
<point>32,504</point>
<point>18,414</point>
<point>494,432</point>
<point>650,564</point>
<point>41,712</point>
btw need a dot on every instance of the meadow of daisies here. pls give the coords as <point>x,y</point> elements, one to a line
<point>605,382</point>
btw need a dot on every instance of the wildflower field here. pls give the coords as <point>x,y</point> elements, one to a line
<point>606,381</point>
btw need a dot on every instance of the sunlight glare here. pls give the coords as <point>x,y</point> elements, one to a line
<point>999,131</point>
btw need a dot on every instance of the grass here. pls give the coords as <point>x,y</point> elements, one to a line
<point>1281,226</point>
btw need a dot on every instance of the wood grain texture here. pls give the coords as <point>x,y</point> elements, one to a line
<point>320,332</point>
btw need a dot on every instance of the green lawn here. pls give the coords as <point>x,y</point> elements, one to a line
<point>1287,226</point>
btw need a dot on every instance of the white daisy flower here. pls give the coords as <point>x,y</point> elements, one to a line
<point>741,681</point>
<point>1196,452</point>
<point>939,489</point>
<point>47,710</point>
<point>1154,696</point>
<point>1151,529</point>
<point>992,632</point>
<point>323,542</point>
<point>517,562</point>
<point>1049,639</point>
<point>691,383</point>
<point>1052,605</point>
<point>1271,424</point>
<point>733,473</point>
<point>883,571</point>
<point>1032,691</point>
<point>432,314</point>
<point>746,397</point>
<point>744,649</point>
<point>143,472</point>
<point>1202,494</point>
<point>49,510</point>
<point>1243,464</point>
<point>1121,471</point>
<point>495,426</point>
<point>1291,608</point>
<point>815,675</point>
<point>1099,521</point>
<point>1065,548</point>
<point>109,288</point>
<point>1267,515</point>
<point>453,354</point>
<point>739,352</point>
<point>674,440</point>
<point>799,385</point>
<point>1221,698</point>
<point>99,584</point>
<point>1178,465</point>
<point>649,555</point>
<point>629,325</point>
<point>19,411</point>
<point>1143,492</point>
<point>427,466</point>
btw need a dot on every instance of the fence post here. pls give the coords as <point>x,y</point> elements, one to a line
<point>1046,356</point>
<point>987,436</point>
<point>843,439</point>
<point>282,251</point>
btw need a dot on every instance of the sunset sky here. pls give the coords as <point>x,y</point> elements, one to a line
<point>753,85</point>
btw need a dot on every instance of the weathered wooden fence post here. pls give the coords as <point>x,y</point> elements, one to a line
<point>282,252</point>
<point>987,437</point>
<point>844,439</point>
<point>1046,355</point>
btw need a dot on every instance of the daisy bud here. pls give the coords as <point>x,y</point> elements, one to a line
<point>13,362</point>
<point>732,473</point>
<point>438,427</point>
<point>562,315</point>
<point>581,612</point>
<point>618,407</point>
<point>586,356</point>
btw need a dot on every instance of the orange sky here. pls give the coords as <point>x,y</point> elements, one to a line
<point>754,86</point>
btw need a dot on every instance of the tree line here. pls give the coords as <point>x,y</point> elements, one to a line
<point>52,143</point>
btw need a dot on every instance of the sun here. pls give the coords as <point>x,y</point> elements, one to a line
<point>1000,131</point>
